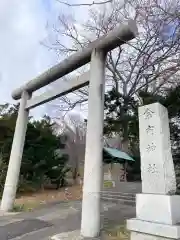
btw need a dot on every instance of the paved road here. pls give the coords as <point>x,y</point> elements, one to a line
<point>62,217</point>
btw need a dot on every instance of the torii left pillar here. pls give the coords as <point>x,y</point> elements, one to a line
<point>12,176</point>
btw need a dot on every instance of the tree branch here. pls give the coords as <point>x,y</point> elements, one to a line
<point>84,4</point>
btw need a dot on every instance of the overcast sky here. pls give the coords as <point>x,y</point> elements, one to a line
<point>22,28</point>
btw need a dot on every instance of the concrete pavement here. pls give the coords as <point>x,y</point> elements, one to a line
<point>63,217</point>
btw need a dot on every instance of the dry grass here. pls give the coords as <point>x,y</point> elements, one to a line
<point>108,184</point>
<point>117,233</point>
<point>28,202</point>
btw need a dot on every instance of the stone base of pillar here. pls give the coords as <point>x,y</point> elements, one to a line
<point>143,230</point>
<point>73,235</point>
<point>158,208</point>
<point>157,217</point>
<point>141,236</point>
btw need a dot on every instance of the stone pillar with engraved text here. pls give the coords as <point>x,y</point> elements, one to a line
<point>157,207</point>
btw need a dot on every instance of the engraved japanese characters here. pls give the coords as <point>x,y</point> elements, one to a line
<point>157,168</point>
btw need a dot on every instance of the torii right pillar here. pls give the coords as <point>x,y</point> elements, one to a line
<point>93,172</point>
<point>158,207</point>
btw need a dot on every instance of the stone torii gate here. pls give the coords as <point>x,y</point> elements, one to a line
<point>96,54</point>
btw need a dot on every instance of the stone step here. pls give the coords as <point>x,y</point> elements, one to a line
<point>119,197</point>
<point>118,194</point>
<point>119,200</point>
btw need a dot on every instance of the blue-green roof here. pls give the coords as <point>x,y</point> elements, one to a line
<point>113,153</point>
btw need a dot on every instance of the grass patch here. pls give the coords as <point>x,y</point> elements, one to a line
<point>26,207</point>
<point>108,184</point>
<point>117,233</point>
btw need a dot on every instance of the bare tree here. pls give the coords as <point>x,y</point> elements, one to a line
<point>74,129</point>
<point>149,62</point>
<point>83,4</point>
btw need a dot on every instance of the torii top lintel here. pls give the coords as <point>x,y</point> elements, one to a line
<point>116,37</point>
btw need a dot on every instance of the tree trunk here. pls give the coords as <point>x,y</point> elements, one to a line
<point>75,175</point>
<point>76,172</point>
<point>125,142</point>
<point>42,183</point>
<point>58,184</point>
<point>125,171</point>
<point>125,137</point>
